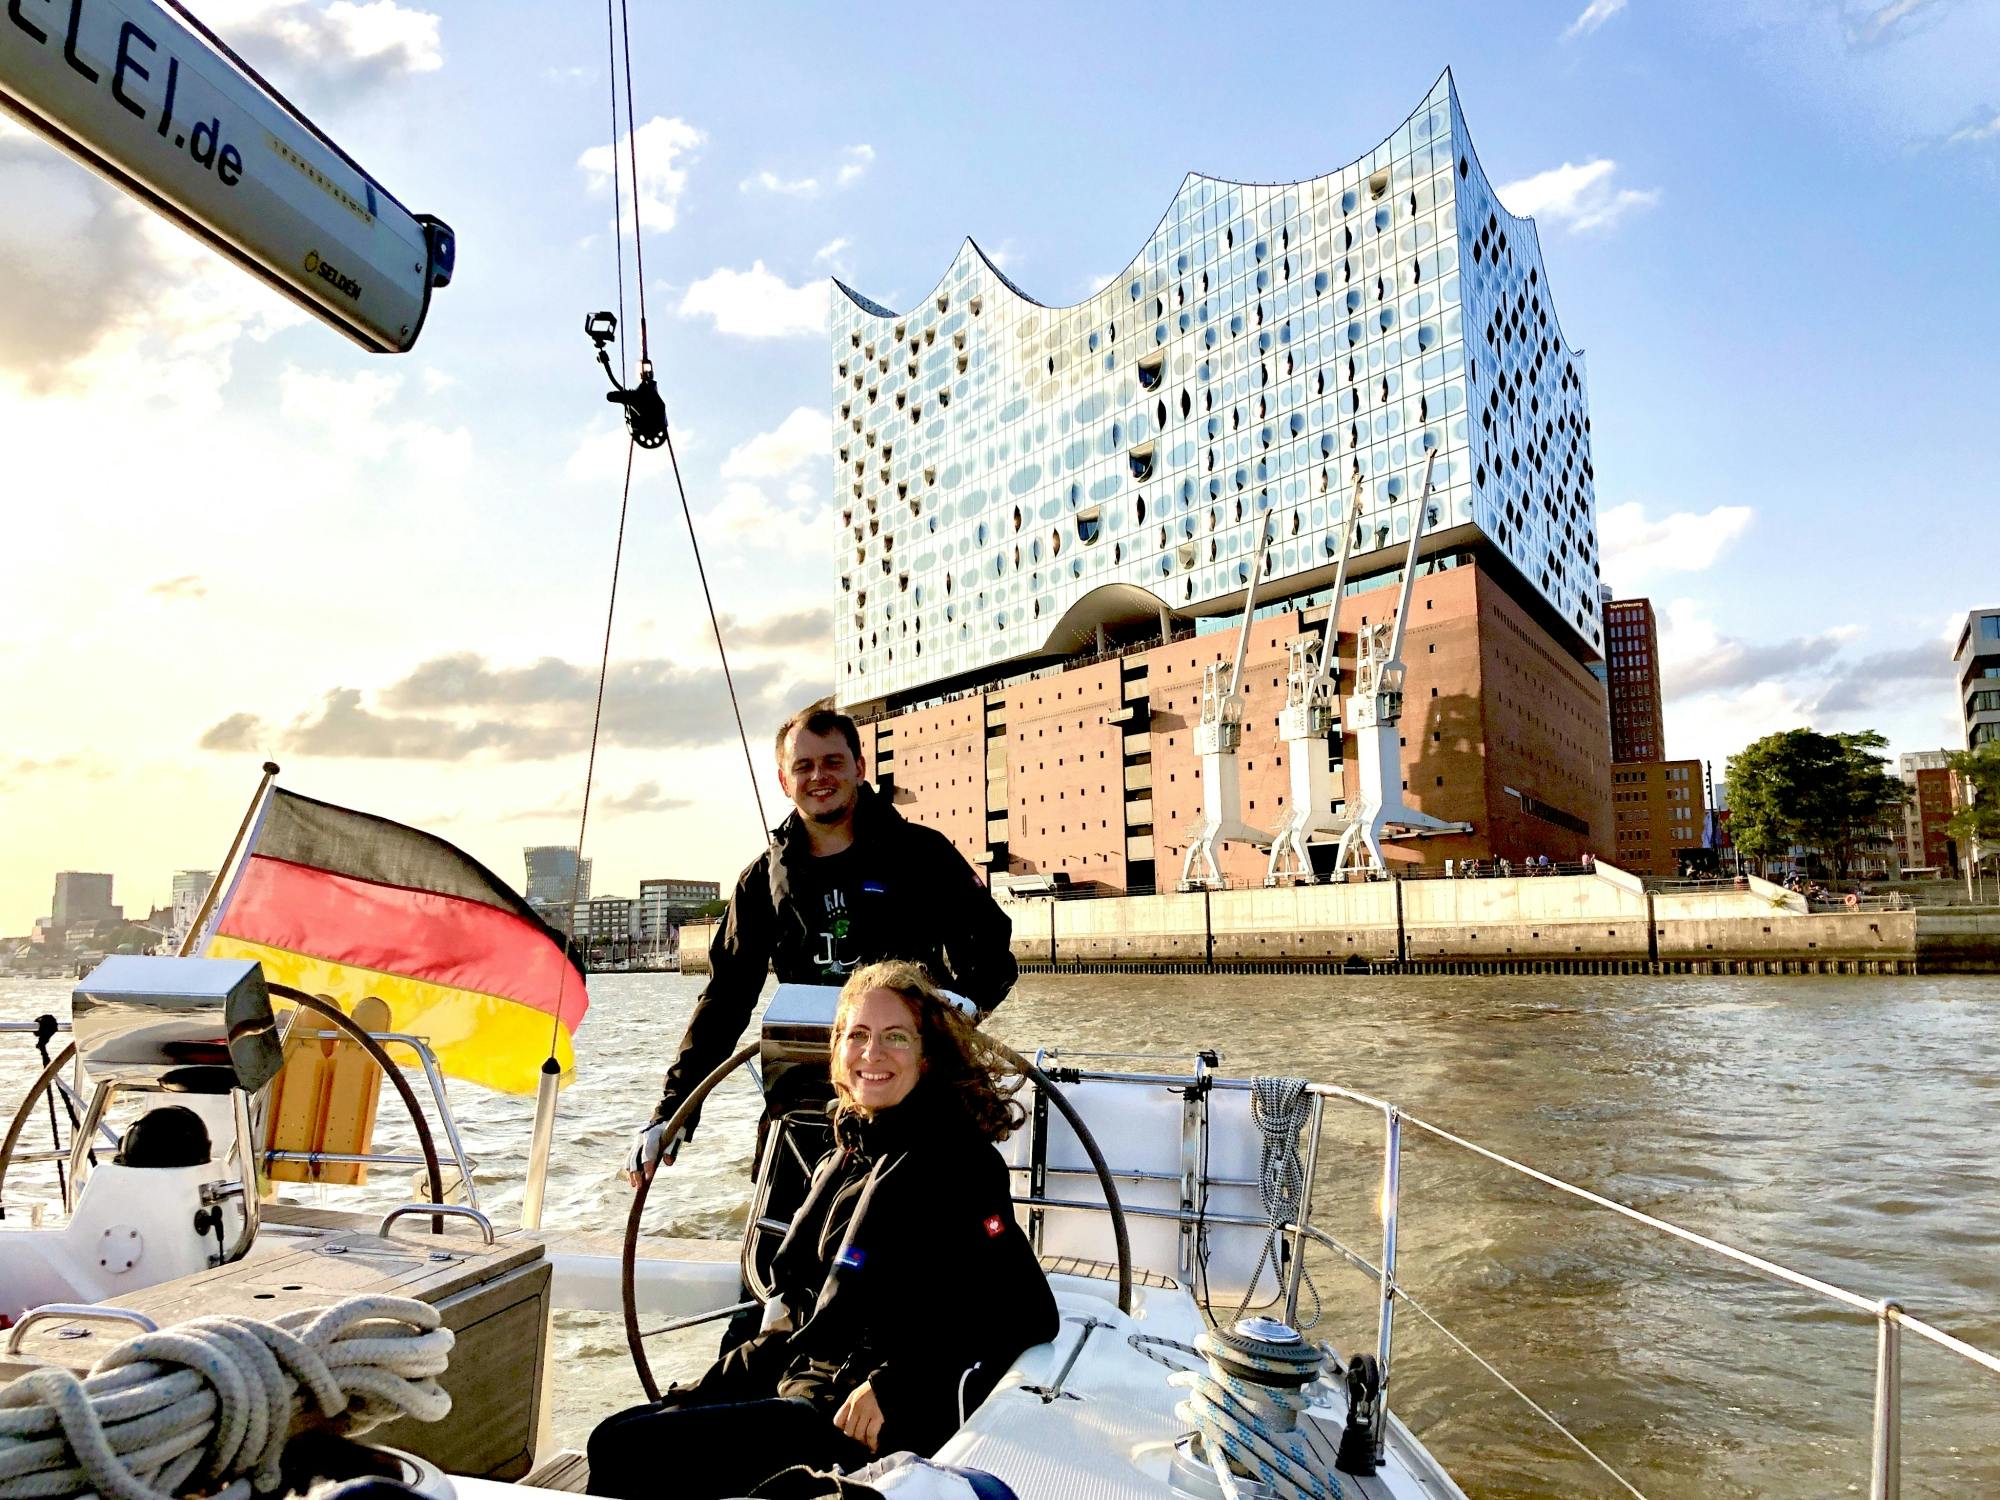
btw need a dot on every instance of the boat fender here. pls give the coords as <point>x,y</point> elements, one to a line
<point>171,1136</point>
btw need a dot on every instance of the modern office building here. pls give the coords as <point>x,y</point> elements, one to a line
<point>1927,808</point>
<point>1659,810</point>
<point>190,888</point>
<point>1043,510</point>
<point>1632,675</point>
<point>1977,658</point>
<point>665,904</point>
<point>82,898</point>
<point>553,878</point>
<point>606,919</point>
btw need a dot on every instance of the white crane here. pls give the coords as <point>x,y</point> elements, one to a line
<point>1309,728</point>
<point>1216,739</point>
<point>1374,714</point>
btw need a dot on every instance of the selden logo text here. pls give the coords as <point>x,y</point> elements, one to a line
<point>347,286</point>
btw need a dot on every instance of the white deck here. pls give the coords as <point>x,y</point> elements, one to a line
<point>1115,1439</point>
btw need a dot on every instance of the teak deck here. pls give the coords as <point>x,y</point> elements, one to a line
<point>495,1298</point>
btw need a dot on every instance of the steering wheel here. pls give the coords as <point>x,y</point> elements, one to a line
<point>331,1013</point>
<point>629,1251</point>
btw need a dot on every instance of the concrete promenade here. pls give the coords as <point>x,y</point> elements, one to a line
<point>1605,922</point>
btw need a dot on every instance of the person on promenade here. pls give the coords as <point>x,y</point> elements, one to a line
<point>904,1287</point>
<point>845,881</point>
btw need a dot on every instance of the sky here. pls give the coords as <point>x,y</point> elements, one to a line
<point>230,535</point>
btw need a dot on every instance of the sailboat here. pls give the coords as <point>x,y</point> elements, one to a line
<point>1172,1205</point>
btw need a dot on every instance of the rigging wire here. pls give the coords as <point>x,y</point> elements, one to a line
<point>715,625</point>
<point>645,364</point>
<point>596,723</point>
<point>632,150</point>
<point>618,28</point>
<point>618,183</point>
<point>1534,1406</point>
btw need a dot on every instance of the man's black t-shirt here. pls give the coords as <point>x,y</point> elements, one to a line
<point>834,907</point>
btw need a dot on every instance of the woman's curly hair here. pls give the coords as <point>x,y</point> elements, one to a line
<point>956,1056</point>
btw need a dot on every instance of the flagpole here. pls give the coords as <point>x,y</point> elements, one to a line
<point>222,872</point>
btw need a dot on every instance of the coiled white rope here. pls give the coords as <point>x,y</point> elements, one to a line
<point>1279,1107</point>
<point>214,1400</point>
<point>1246,1424</point>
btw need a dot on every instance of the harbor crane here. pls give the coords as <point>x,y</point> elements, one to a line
<point>1375,714</point>
<point>1216,740</point>
<point>1309,728</point>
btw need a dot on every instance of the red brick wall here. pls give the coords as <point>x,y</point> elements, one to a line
<point>1065,776</point>
<point>1491,703</point>
<point>938,757</point>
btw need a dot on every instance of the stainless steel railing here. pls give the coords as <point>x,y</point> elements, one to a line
<point>419,1046</point>
<point>1890,1318</point>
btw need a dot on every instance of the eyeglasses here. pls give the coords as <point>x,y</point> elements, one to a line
<point>895,1039</point>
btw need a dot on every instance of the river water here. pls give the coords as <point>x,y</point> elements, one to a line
<point>1843,1127</point>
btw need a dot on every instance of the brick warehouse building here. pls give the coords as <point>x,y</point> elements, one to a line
<point>1090,770</point>
<point>1046,529</point>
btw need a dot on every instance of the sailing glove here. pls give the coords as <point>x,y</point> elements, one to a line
<point>651,1145</point>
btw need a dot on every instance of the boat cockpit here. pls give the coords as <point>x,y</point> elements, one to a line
<point>1149,1197</point>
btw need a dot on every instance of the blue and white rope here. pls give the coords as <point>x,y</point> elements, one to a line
<point>1246,1424</point>
<point>1280,1108</point>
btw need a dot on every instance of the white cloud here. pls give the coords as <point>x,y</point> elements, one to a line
<point>795,442</point>
<point>1594,15</point>
<point>1579,197</point>
<point>750,517</point>
<point>342,43</point>
<point>859,160</point>
<point>660,143</point>
<point>1637,546</point>
<point>99,296</point>
<point>1972,135</point>
<point>598,459</point>
<point>358,414</point>
<point>1875,25</point>
<point>757,303</point>
<point>771,182</point>
<point>832,248</point>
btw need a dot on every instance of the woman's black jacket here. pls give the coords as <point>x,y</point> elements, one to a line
<point>904,1268</point>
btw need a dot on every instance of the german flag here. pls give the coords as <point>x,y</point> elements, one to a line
<point>344,905</point>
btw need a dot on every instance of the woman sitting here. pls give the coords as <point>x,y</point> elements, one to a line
<point>904,1286</point>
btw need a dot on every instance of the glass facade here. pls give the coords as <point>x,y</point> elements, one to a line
<point>1010,477</point>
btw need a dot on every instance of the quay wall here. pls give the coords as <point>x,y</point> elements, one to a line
<point>1583,923</point>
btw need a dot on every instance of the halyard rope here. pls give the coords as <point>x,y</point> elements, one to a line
<point>1280,1108</point>
<point>1251,1424</point>
<point>209,1404</point>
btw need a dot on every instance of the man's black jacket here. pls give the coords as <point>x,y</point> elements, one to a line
<point>904,1268</point>
<point>924,903</point>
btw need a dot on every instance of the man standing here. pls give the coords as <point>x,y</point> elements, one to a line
<point>846,880</point>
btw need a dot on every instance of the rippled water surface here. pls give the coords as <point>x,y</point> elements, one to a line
<point>1844,1127</point>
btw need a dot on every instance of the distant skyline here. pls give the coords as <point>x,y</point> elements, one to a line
<point>232,535</point>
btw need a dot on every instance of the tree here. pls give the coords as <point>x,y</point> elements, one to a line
<point>1976,823</point>
<point>1798,789</point>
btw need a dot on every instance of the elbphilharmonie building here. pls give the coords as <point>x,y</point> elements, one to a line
<point>1023,486</point>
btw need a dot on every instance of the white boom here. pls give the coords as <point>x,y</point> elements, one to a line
<point>1309,728</point>
<point>1374,714</point>
<point>136,95</point>
<point>1216,739</point>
